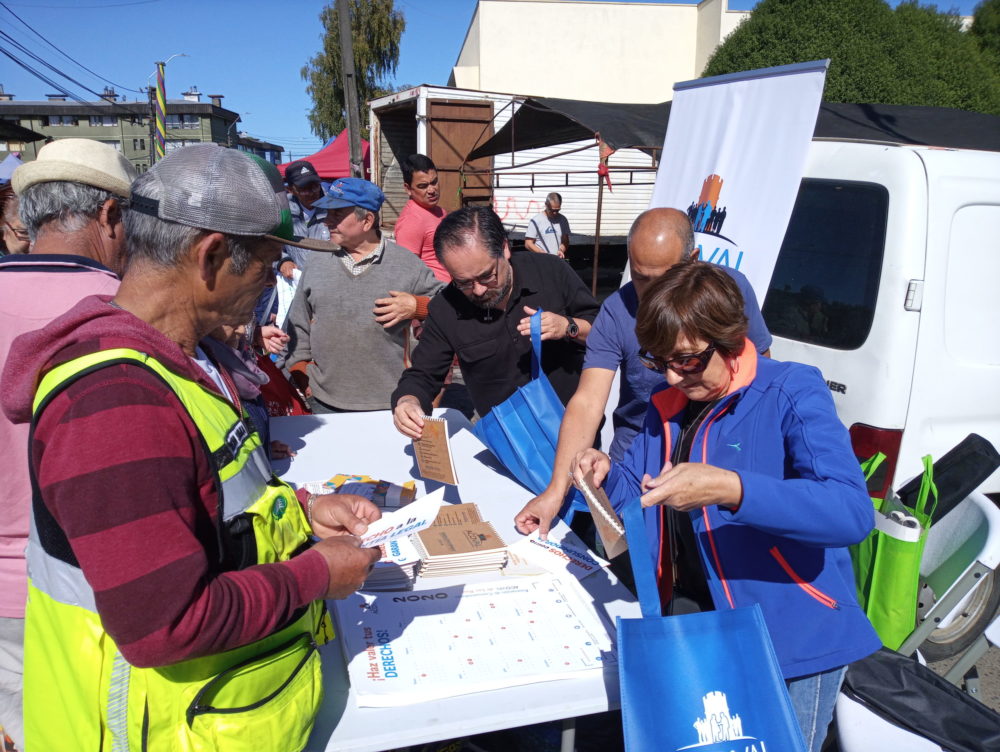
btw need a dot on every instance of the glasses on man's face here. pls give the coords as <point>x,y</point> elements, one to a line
<point>552,210</point>
<point>19,232</point>
<point>685,364</point>
<point>486,280</point>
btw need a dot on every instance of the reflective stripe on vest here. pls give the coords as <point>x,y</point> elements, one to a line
<point>73,667</point>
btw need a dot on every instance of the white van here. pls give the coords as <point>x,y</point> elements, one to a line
<point>888,281</point>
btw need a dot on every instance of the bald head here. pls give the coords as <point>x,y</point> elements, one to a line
<point>659,238</point>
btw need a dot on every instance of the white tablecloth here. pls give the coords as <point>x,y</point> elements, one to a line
<point>367,443</point>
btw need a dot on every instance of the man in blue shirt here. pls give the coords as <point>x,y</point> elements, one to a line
<point>658,239</point>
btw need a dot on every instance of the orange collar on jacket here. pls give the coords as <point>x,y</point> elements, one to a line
<point>671,401</point>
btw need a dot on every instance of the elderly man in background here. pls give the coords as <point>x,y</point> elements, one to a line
<point>483,316</point>
<point>173,581</point>
<point>72,199</point>
<point>658,240</point>
<point>344,354</point>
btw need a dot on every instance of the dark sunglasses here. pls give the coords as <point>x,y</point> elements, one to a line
<point>685,365</point>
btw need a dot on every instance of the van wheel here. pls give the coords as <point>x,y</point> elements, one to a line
<point>967,626</point>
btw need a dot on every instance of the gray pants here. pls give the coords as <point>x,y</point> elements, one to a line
<point>11,678</point>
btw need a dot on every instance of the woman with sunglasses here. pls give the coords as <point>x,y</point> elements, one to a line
<point>750,486</point>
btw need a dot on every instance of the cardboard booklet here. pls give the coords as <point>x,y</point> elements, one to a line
<point>459,542</point>
<point>609,525</point>
<point>433,452</point>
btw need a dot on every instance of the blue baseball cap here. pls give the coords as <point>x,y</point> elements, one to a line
<point>352,192</point>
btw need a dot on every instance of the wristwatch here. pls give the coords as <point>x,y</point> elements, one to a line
<point>573,329</point>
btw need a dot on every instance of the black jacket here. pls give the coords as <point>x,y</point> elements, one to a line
<point>494,357</point>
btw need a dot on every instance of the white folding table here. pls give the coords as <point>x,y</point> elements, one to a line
<point>367,443</point>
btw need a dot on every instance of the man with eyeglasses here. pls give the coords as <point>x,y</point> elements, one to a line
<point>548,232</point>
<point>483,317</point>
<point>71,200</point>
<point>658,239</point>
<point>15,236</point>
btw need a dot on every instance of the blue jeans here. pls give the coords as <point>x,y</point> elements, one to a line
<point>814,699</point>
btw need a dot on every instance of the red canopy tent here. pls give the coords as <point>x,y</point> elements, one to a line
<point>334,160</point>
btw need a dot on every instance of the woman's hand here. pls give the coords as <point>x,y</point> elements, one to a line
<point>692,485</point>
<point>590,460</point>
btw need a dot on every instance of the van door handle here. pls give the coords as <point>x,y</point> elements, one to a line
<point>914,295</point>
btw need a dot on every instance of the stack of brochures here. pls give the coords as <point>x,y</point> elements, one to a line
<point>397,569</point>
<point>459,542</point>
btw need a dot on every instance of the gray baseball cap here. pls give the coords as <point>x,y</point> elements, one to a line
<point>224,190</point>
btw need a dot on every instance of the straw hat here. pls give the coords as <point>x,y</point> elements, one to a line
<point>77,160</point>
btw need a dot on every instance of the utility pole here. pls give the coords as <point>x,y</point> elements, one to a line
<point>350,87</point>
<point>152,123</point>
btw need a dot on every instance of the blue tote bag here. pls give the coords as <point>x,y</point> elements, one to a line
<point>707,682</point>
<point>522,431</point>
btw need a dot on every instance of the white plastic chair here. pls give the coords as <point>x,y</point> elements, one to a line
<point>961,549</point>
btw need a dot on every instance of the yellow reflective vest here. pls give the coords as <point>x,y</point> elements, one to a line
<point>81,694</point>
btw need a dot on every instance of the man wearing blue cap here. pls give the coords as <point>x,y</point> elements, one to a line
<point>349,322</point>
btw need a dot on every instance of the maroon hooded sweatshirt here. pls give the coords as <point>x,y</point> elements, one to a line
<point>122,470</point>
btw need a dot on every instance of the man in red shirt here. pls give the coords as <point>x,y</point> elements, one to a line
<point>421,215</point>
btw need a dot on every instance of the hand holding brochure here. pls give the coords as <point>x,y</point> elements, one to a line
<point>433,452</point>
<point>412,518</point>
<point>608,525</point>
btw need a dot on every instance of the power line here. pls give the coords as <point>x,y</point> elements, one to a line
<point>57,71</point>
<point>65,55</point>
<point>41,76</point>
<point>75,7</point>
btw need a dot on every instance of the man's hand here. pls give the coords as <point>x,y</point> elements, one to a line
<point>692,485</point>
<point>300,380</point>
<point>539,513</point>
<point>347,563</point>
<point>554,325</point>
<point>591,460</point>
<point>395,309</point>
<point>280,450</point>
<point>342,514</point>
<point>273,339</point>
<point>286,268</point>
<point>408,417</point>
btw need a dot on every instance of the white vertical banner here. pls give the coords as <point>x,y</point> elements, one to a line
<point>733,158</point>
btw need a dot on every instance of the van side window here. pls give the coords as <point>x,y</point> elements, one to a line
<point>825,282</point>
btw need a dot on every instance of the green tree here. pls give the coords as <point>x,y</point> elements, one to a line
<point>986,28</point>
<point>376,28</point>
<point>913,55</point>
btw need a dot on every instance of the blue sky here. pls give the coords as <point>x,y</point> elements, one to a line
<point>251,50</point>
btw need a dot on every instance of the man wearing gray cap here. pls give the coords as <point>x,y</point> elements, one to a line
<point>350,319</point>
<point>72,198</point>
<point>175,598</point>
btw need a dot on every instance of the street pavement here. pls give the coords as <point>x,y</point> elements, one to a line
<point>989,676</point>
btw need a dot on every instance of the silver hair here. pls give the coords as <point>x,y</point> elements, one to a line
<point>553,197</point>
<point>164,243</point>
<point>69,206</point>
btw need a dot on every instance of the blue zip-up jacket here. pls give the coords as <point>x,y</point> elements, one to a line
<point>804,501</point>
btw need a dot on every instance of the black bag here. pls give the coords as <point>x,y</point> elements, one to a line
<point>912,696</point>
